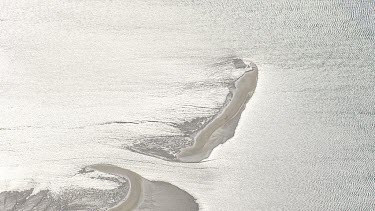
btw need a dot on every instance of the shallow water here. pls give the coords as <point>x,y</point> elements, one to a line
<point>305,140</point>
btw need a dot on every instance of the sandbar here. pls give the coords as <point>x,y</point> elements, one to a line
<point>223,126</point>
<point>149,195</point>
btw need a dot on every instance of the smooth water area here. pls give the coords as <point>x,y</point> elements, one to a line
<point>305,140</point>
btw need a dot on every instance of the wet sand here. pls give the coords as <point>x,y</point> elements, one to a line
<point>71,199</point>
<point>134,197</point>
<point>222,128</point>
<point>134,193</point>
<point>149,195</point>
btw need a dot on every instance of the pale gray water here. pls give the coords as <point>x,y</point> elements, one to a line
<point>306,140</point>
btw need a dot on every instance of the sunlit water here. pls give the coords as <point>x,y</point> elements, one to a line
<point>305,141</point>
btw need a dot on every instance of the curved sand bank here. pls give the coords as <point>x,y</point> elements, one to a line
<point>222,128</point>
<point>149,195</point>
<point>135,193</point>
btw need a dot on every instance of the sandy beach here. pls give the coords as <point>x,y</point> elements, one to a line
<point>222,128</point>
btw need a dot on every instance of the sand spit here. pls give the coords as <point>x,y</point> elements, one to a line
<point>222,128</point>
<point>149,195</point>
<point>135,193</point>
